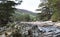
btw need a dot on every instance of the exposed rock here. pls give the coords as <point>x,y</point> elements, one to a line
<point>57,24</point>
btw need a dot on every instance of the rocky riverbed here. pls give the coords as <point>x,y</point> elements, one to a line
<point>36,29</point>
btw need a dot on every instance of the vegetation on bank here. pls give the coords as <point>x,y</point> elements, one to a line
<point>50,10</point>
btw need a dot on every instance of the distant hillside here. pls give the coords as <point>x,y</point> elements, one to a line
<point>25,11</point>
<point>20,14</point>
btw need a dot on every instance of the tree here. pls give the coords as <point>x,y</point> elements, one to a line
<point>46,10</point>
<point>26,17</point>
<point>56,9</point>
<point>6,11</point>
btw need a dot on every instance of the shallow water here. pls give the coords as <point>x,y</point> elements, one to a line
<point>49,28</point>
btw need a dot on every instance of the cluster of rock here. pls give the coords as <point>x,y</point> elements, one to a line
<point>30,30</point>
<point>39,31</point>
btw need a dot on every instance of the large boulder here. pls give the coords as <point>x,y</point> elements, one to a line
<point>57,24</point>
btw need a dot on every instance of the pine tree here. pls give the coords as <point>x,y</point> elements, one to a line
<point>56,10</point>
<point>45,9</point>
<point>6,11</point>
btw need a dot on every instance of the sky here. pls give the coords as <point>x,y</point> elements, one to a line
<point>30,5</point>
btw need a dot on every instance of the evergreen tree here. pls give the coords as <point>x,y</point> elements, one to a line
<point>46,10</point>
<point>6,11</point>
<point>56,9</point>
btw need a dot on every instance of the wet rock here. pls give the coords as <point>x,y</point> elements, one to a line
<point>58,36</point>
